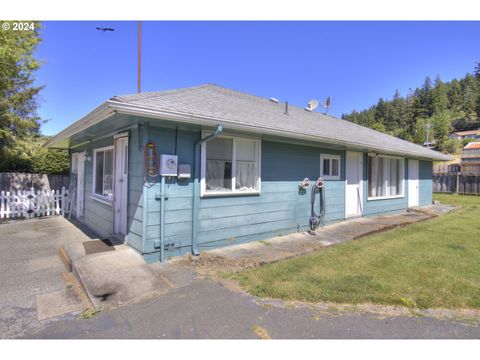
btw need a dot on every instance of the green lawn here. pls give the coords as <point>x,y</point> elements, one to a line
<point>431,264</point>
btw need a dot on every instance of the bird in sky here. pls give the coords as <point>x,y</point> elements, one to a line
<point>105,29</point>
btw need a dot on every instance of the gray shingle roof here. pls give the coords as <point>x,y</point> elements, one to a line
<point>245,109</point>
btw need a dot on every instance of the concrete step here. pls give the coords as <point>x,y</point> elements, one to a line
<point>112,278</point>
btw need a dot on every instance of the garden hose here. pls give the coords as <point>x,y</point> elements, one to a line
<point>318,219</point>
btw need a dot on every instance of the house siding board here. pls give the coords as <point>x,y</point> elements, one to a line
<point>279,209</point>
<point>134,237</point>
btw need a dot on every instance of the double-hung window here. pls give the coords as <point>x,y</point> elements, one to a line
<point>230,166</point>
<point>330,167</point>
<point>103,173</point>
<point>385,176</point>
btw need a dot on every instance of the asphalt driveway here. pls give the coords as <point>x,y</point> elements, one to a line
<point>203,309</point>
<point>30,266</point>
<point>193,307</point>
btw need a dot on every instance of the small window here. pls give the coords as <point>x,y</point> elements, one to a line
<point>230,165</point>
<point>103,173</point>
<point>330,167</point>
<point>385,177</point>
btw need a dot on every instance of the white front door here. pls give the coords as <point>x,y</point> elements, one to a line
<point>80,185</point>
<point>413,183</point>
<point>120,198</point>
<point>353,184</point>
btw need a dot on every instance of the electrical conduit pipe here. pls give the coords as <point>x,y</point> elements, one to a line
<point>196,185</point>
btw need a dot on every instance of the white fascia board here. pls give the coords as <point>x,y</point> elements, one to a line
<point>94,117</point>
<point>212,121</point>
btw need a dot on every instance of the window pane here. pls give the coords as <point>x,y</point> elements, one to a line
<point>108,174</point>
<point>246,177</point>
<point>326,166</point>
<point>99,173</point>
<point>335,167</point>
<point>376,186</point>
<point>219,165</point>
<point>394,177</point>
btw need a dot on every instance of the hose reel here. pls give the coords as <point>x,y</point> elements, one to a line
<point>305,184</point>
<point>317,219</point>
<point>150,163</point>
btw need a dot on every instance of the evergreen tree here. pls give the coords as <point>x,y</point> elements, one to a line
<point>439,97</point>
<point>18,95</point>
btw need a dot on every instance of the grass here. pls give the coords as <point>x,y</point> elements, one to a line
<point>432,264</point>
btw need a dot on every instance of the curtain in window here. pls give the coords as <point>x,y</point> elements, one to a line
<point>384,176</point>
<point>376,180</point>
<point>393,179</point>
<point>246,178</point>
<point>246,169</point>
<point>219,165</point>
<point>216,175</point>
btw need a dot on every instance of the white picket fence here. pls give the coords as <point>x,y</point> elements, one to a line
<point>31,203</point>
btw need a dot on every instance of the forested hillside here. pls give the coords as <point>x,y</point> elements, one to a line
<point>437,106</point>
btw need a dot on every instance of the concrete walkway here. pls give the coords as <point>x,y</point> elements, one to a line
<point>32,288</point>
<point>258,253</point>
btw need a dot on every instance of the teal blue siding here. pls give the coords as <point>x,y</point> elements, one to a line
<point>279,209</point>
<point>425,178</point>
<point>135,183</point>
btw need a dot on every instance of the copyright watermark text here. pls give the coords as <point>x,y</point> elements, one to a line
<point>18,26</point>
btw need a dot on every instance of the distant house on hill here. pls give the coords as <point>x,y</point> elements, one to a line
<point>468,134</point>
<point>470,162</point>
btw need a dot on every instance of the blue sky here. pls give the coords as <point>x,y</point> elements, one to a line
<point>353,62</point>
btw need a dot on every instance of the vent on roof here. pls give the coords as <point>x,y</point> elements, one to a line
<point>274,100</point>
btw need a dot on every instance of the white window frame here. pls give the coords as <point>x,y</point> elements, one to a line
<point>208,193</point>
<point>103,199</point>
<point>330,157</point>
<point>402,181</point>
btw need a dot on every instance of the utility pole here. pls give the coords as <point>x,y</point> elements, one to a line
<point>139,65</point>
<point>427,128</point>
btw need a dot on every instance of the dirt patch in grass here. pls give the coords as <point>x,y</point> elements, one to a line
<point>261,332</point>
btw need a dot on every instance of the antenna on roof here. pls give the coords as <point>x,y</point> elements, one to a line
<point>312,105</point>
<point>327,104</point>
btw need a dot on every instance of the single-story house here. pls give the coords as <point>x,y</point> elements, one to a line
<point>192,169</point>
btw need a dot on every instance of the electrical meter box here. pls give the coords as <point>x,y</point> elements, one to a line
<point>168,165</point>
<point>184,171</point>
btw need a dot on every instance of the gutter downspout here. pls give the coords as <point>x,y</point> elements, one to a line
<point>196,185</point>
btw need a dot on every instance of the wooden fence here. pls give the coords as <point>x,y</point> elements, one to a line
<point>31,203</point>
<point>457,183</point>
<point>20,181</point>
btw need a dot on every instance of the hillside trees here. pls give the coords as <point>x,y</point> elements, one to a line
<point>439,106</point>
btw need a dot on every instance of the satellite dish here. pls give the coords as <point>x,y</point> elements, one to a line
<point>312,105</point>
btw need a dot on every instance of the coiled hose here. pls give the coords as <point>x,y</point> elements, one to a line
<point>317,219</point>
